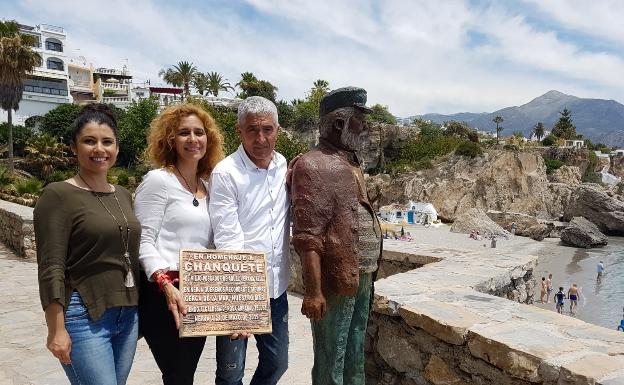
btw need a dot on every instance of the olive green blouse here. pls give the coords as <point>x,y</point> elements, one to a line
<point>79,247</point>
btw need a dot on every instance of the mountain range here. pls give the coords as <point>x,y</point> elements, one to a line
<point>600,120</point>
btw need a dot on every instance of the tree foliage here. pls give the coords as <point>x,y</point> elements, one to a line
<point>469,149</point>
<point>498,120</point>
<point>17,58</point>
<point>460,130</point>
<point>182,74</point>
<point>550,140</point>
<point>133,130</point>
<point>289,146</point>
<point>58,121</point>
<point>217,83</point>
<point>539,131</point>
<point>381,114</point>
<point>21,134</point>
<point>252,86</point>
<point>565,128</point>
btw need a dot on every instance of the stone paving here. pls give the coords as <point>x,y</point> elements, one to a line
<point>25,360</point>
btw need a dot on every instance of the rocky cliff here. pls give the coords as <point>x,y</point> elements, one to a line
<point>499,180</point>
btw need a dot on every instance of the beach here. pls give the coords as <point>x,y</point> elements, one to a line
<point>601,303</point>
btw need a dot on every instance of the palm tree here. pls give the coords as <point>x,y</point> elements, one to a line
<point>181,74</point>
<point>539,131</point>
<point>200,82</point>
<point>320,88</point>
<point>248,79</point>
<point>16,59</point>
<point>498,120</point>
<point>217,83</point>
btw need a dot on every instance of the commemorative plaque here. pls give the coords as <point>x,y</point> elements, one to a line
<point>225,292</point>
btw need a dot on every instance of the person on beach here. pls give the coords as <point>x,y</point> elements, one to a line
<point>338,238</point>
<point>172,205</point>
<point>549,287</point>
<point>543,290</point>
<point>600,268</point>
<point>249,210</point>
<point>87,255</point>
<point>559,300</point>
<point>573,295</point>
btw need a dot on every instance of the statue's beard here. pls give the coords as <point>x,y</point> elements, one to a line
<point>349,140</point>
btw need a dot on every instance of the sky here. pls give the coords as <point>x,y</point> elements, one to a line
<point>414,56</point>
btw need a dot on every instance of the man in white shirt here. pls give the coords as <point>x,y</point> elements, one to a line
<point>249,211</point>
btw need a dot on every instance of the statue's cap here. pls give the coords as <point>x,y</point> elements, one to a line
<point>344,97</point>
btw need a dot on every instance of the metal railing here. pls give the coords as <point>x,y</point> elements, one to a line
<point>114,86</point>
<point>51,28</point>
<point>115,99</point>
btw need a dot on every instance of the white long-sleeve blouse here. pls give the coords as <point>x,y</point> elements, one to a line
<point>169,221</point>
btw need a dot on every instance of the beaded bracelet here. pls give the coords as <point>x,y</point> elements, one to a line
<point>161,278</point>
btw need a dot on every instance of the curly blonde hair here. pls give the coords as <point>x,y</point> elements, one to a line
<point>160,142</point>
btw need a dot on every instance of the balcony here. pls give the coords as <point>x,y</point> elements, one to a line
<point>116,100</point>
<point>115,86</point>
<point>52,28</point>
<point>110,71</point>
<point>80,84</point>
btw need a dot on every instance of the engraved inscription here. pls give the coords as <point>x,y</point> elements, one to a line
<point>225,292</point>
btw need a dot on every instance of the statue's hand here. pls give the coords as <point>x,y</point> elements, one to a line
<point>291,164</point>
<point>314,307</point>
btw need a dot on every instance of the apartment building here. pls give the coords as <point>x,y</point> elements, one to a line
<point>47,86</point>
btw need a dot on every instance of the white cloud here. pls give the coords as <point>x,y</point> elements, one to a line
<point>411,55</point>
<point>599,18</point>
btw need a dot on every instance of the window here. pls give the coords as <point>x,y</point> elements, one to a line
<point>55,64</point>
<point>46,86</point>
<point>54,46</point>
<point>398,214</point>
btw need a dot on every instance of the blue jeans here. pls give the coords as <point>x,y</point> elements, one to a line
<point>102,351</point>
<point>272,351</point>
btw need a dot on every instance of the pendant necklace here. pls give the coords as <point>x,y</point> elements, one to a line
<point>129,281</point>
<point>195,201</point>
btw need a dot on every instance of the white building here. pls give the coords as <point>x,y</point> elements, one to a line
<point>408,214</point>
<point>46,86</point>
<point>578,144</point>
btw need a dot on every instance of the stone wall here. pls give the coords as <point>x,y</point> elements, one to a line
<point>446,323</point>
<point>16,229</point>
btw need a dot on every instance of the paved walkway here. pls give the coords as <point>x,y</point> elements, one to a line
<point>25,360</point>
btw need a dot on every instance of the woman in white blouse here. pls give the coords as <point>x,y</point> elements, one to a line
<point>172,205</point>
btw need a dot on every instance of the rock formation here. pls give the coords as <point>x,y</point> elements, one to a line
<point>570,175</point>
<point>597,206</point>
<point>583,233</point>
<point>499,180</point>
<point>477,220</point>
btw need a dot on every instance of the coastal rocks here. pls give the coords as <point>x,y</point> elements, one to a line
<point>526,225</point>
<point>597,206</point>
<point>570,175</point>
<point>500,180</point>
<point>477,220</point>
<point>583,233</point>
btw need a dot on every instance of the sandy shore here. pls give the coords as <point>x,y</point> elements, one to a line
<point>601,303</point>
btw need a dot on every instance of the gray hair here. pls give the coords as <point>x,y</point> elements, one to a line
<point>257,105</point>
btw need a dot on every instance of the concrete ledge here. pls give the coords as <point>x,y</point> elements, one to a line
<point>456,317</point>
<point>16,229</point>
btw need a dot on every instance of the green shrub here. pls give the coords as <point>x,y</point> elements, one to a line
<point>552,165</point>
<point>592,177</point>
<point>467,148</point>
<point>511,147</point>
<point>549,141</point>
<point>28,186</point>
<point>59,176</point>
<point>5,176</point>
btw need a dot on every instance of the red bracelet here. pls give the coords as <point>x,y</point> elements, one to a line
<point>164,278</point>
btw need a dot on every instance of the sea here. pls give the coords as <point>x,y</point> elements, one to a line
<point>602,300</point>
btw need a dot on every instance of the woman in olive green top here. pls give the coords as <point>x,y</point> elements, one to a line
<point>87,252</point>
